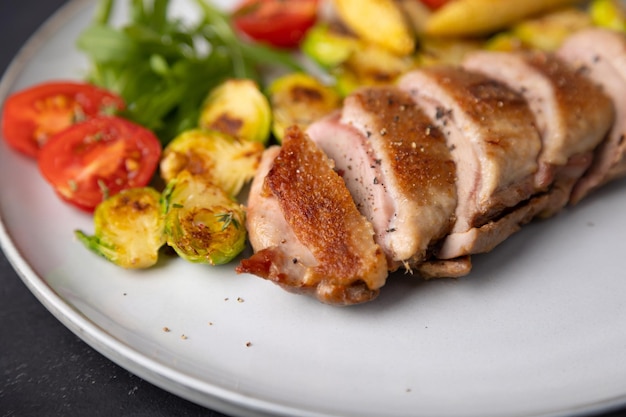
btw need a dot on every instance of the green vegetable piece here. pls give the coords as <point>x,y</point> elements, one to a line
<point>216,156</point>
<point>239,108</point>
<point>327,47</point>
<point>202,223</point>
<point>299,99</point>
<point>503,42</point>
<point>608,13</point>
<point>128,228</point>
<point>164,66</point>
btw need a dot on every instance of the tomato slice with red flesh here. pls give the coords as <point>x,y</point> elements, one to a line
<point>99,157</point>
<point>434,4</point>
<point>281,23</point>
<point>31,116</point>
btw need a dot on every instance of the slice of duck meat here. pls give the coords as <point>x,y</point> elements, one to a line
<point>600,54</point>
<point>572,113</point>
<point>494,142</point>
<point>305,230</point>
<point>402,176</point>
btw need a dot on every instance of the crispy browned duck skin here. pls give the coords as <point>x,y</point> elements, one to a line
<point>317,242</point>
<point>493,140</point>
<point>398,168</point>
<point>600,54</point>
<point>511,170</point>
<point>572,114</point>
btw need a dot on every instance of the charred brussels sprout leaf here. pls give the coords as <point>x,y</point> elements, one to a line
<point>299,99</point>
<point>239,108</point>
<point>202,223</point>
<point>128,228</point>
<point>216,156</point>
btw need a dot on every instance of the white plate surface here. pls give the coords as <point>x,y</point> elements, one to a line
<point>537,329</point>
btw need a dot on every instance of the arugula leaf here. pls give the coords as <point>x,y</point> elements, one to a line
<point>164,67</point>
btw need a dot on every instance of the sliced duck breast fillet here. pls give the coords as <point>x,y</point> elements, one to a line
<point>600,54</point>
<point>305,230</point>
<point>493,140</point>
<point>408,192</point>
<point>572,113</point>
<point>356,162</point>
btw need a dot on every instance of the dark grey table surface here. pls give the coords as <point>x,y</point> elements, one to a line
<point>46,370</point>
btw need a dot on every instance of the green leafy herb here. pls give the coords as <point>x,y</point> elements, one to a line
<point>227,219</point>
<point>164,67</point>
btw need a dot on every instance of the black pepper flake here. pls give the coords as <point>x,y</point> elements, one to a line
<point>393,229</point>
<point>368,133</point>
<point>294,260</point>
<point>375,180</point>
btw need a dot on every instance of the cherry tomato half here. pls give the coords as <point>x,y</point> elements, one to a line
<point>33,115</point>
<point>99,157</point>
<point>435,4</point>
<point>281,23</point>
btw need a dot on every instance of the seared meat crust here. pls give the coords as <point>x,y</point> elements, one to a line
<point>349,267</point>
<point>416,171</point>
<point>600,54</point>
<point>445,164</point>
<point>572,113</point>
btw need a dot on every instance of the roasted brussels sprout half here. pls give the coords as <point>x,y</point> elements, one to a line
<point>128,228</point>
<point>239,108</point>
<point>370,65</point>
<point>328,47</point>
<point>202,223</point>
<point>216,156</point>
<point>299,99</point>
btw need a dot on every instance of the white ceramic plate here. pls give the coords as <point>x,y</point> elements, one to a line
<point>537,329</point>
